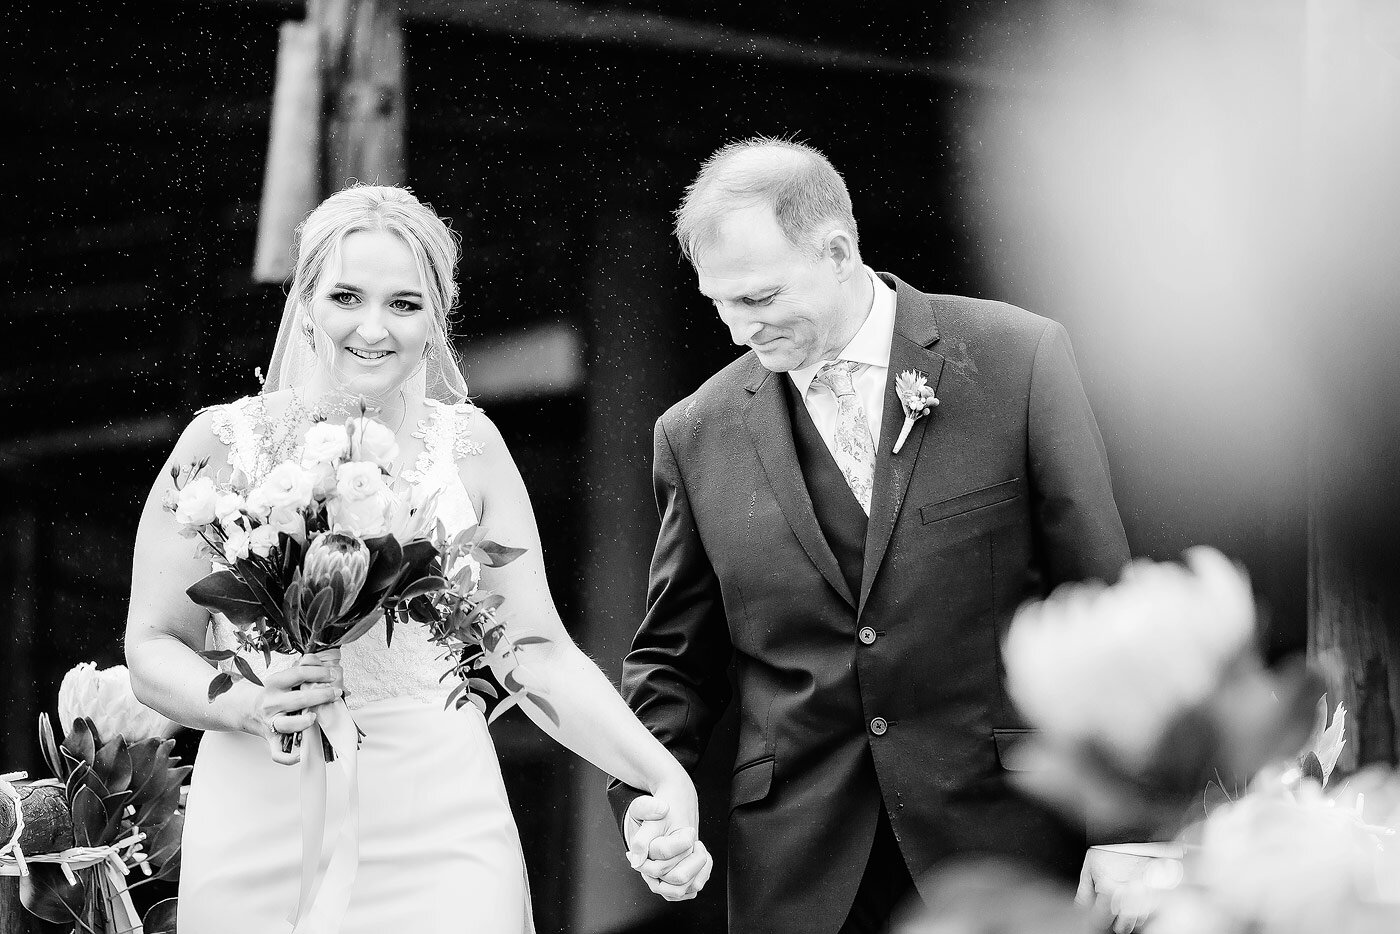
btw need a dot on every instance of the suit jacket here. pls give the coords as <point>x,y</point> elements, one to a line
<point>998,495</point>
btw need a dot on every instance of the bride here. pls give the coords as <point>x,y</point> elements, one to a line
<point>367,318</point>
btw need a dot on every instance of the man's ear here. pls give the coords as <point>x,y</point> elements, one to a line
<point>840,248</point>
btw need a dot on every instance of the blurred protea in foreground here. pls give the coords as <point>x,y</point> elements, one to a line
<point>104,696</point>
<point>1147,691</point>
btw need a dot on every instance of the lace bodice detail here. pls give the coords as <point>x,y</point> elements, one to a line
<point>410,665</point>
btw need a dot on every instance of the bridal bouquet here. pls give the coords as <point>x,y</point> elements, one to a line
<point>309,558</point>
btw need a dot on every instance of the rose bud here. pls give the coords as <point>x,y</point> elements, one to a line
<point>332,553</point>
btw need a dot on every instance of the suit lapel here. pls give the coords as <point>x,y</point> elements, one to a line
<point>770,428</point>
<point>915,330</point>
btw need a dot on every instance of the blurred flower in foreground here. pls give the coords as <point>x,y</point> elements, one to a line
<point>1286,860</point>
<point>1145,691</point>
<point>105,698</point>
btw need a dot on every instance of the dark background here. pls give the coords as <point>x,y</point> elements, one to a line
<point>133,174</point>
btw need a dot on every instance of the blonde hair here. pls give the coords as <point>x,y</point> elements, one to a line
<point>435,246</point>
<point>807,194</point>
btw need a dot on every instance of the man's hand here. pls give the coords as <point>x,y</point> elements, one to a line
<point>1125,882</point>
<point>669,856</point>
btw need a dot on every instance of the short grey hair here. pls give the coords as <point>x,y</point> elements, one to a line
<point>807,194</point>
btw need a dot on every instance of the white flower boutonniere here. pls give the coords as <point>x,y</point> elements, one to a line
<point>916,398</point>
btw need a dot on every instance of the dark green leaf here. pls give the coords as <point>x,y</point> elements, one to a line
<point>267,589</point>
<point>495,555</point>
<point>89,817</point>
<point>510,701</point>
<point>545,707</point>
<point>531,640</point>
<point>245,669</point>
<point>455,696</point>
<point>46,893</point>
<point>512,685</point>
<point>221,683</point>
<point>359,629</point>
<point>81,741</point>
<point>218,655</point>
<point>57,764</point>
<point>160,917</point>
<point>113,764</point>
<point>424,586</point>
<point>482,686</point>
<point>222,592</point>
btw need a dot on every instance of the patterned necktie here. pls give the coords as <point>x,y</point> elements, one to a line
<point>854,449</point>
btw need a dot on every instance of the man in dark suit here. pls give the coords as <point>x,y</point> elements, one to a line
<point>861,591</point>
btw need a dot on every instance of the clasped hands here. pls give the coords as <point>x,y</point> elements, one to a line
<point>663,845</point>
<point>290,698</point>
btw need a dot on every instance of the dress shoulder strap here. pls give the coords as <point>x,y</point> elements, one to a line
<point>237,425</point>
<point>447,437</point>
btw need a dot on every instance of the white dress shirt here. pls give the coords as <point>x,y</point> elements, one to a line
<point>870,348</point>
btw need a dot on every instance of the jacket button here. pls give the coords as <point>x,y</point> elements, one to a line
<point>879,725</point>
<point>867,635</point>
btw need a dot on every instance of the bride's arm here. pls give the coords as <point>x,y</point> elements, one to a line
<point>594,721</point>
<point>165,628</point>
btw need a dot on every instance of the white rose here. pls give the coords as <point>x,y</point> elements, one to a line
<point>236,544</point>
<point>196,503</point>
<point>325,444</point>
<point>105,697</point>
<point>363,502</point>
<point>256,505</point>
<point>359,480</point>
<point>1117,664</point>
<point>263,539</point>
<point>288,519</point>
<point>288,485</point>
<point>373,442</point>
<point>228,507</point>
<point>363,518</point>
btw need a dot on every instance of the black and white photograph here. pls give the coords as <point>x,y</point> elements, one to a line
<point>696,467</point>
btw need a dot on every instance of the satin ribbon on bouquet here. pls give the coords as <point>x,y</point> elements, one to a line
<point>330,852</point>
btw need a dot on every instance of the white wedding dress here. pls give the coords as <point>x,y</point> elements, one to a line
<point>438,848</point>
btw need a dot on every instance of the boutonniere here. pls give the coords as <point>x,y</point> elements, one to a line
<point>916,398</point>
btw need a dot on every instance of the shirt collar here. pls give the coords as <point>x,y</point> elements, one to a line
<point>870,346</point>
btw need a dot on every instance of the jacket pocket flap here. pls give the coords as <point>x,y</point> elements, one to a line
<point>751,782</point>
<point>1009,753</point>
<point>977,499</point>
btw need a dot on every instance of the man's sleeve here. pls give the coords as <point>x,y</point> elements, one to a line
<point>676,676</point>
<point>1079,533</point>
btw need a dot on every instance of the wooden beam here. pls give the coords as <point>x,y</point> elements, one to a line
<point>579,24</point>
<point>24,452</point>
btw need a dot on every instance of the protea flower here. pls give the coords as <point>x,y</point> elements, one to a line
<point>333,555</point>
<point>105,697</point>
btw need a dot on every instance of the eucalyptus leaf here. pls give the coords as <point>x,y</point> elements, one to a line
<point>220,683</point>
<point>495,555</point>
<point>545,707</point>
<point>217,655</point>
<point>225,593</point>
<point>505,705</point>
<point>246,670</point>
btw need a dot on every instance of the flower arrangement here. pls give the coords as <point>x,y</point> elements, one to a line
<point>112,810</point>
